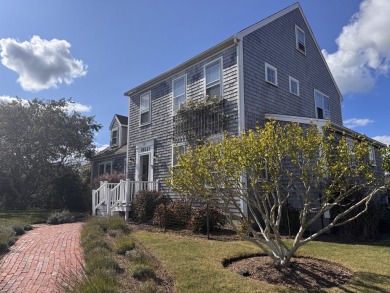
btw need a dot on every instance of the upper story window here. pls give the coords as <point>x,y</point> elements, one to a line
<point>271,74</point>
<point>179,92</point>
<point>372,156</point>
<point>213,78</point>
<point>177,150</point>
<point>300,39</point>
<point>145,109</point>
<point>294,86</point>
<point>322,105</point>
<point>114,137</point>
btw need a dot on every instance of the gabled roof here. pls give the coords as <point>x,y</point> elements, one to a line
<point>122,120</point>
<point>110,152</point>
<point>233,40</point>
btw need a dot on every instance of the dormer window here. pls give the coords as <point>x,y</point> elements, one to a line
<point>114,138</point>
<point>300,39</point>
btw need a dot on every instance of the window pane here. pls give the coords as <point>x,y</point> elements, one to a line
<point>326,103</point>
<point>294,87</point>
<point>271,75</point>
<point>144,117</point>
<point>178,87</point>
<point>212,73</point>
<point>301,37</point>
<point>214,91</point>
<point>145,102</point>
<point>101,169</point>
<point>177,151</point>
<point>108,168</point>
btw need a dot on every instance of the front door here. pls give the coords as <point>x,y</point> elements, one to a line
<point>144,165</point>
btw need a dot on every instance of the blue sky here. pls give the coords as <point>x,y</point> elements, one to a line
<point>100,49</point>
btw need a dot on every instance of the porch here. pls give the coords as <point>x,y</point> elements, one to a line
<point>117,197</point>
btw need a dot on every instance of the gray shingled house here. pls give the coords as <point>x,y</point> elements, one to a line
<point>273,69</point>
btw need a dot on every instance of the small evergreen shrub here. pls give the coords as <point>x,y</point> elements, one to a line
<point>18,230</point>
<point>60,218</point>
<point>145,203</point>
<point>143,272</point>
<point>124,244</point>
<point>198,221</point>
<point>7,238</point>
<point>149,286</point>
<point>116,223</point>
<point>28,227</point>
<point>176,214</point>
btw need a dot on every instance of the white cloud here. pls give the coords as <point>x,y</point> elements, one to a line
<point>355,122</point>
<point>41,64</point>
<point>73,106</point>
<point>363,48</point>
<point>383,138</point>
<point>100,147</point>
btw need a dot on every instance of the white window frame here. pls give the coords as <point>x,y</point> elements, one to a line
<point>117,143</point>
<point>322,106</point>
<point>372,155</point>
<point>206,86</point>
<point>174,111</point>
<point>148,110</point>
<point>266,74</point>
<point>292,79</point>
<point>177,145</point>
<point>297,42</point>
<point>105,168</point>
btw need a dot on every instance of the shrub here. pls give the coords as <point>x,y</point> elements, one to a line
<point>60,218</point>
<point>116,223</point>
<point>18,230</point>
<point>28,227</point>
<point>101,261</point>
<point>98,281</point>
<point>176,214</point>
<point>145,203</point>
<point>7,238</point>
<point>143,272</point>
<point>124,244</point>
<point>148,286</point>
<point>198,221</point>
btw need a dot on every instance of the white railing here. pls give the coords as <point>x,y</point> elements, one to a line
<point>119,195</point>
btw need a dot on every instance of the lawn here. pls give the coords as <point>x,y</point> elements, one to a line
<point>196,264</point>
<point>24,217</point>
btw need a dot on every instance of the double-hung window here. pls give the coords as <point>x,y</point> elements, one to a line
<point>105,168</point>
<point>322,105</point>
<point>145,109</point>
<point>294,86</point>
<point>372,156</point>
<point>271,74</point>
<point>114,137</point>
<point>300,39</point>
<point>179,92</point>
<point>213,78</point>
<point>177,150</point>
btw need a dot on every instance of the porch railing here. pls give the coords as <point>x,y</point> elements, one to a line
<point>118,195</point>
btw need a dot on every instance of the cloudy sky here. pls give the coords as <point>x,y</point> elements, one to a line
<point>93,50</point>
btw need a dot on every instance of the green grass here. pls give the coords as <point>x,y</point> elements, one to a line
<point>123,244</point>
<point>196,264</point>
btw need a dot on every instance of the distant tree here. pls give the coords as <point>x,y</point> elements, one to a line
<point>274,164</point>
<point>37,140</point>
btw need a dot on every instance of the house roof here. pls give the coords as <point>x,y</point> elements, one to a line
<point>231,41</point>
<point>122,119</point>
<point>110,152</point>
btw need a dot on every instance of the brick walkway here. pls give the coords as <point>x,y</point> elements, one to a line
<point>39,259</point>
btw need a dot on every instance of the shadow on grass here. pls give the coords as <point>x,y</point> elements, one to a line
<point>368,282</point>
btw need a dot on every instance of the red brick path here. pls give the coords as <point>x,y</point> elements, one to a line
<point>40,258</point>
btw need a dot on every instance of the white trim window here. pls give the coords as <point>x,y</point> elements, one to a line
<point>115,137</point>
<point>294,85</point>
<point>213,78</point>
<point>321,105</point>
<point>179,92</point>
<point>177,150</point>
<point>372,156</point>
<point>271,74</point>
<point>300,39</point>
<point>144,105</point>
<point>105,167</point>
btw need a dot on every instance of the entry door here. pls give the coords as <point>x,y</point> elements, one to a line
<point>144,165</point>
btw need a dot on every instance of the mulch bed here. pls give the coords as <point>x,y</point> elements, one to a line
<point>303,273</point>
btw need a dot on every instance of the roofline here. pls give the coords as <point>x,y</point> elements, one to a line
<point>275,16</point>
<point>205,54</point>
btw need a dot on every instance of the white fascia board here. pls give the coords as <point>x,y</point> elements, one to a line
<point>297,119</point>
